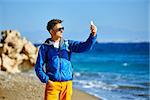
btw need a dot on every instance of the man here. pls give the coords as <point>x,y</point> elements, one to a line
<point>55,54</point>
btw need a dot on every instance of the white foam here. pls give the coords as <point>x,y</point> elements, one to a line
<point>96,84</point>
<point>125,64</point>
<point>76,74</point>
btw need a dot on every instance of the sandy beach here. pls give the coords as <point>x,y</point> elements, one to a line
<point>27,87</point>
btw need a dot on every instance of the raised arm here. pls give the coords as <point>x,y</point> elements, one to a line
<point>76,46</point>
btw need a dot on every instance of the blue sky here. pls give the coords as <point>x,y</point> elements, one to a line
<point>117,20</point>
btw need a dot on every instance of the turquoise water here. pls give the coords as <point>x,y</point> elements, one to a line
<point>113,74</point>
<point>114,71</point>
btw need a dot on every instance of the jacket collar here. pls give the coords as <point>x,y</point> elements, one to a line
<point>50,42</point>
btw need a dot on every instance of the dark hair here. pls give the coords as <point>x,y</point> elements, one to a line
<point>52,23</point>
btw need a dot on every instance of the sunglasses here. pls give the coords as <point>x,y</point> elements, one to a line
<point>59,29</point>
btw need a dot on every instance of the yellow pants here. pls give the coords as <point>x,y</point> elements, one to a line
<point>58,90</point>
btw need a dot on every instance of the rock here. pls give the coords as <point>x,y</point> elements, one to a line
<point>25,65</point>
<point>16,53</point>
<point>9,64</point>
<point>9,34</point>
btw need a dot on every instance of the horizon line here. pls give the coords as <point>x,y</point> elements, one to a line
<point>115,42</point>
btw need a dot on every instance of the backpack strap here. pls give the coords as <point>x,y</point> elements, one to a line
<point>64,43</point>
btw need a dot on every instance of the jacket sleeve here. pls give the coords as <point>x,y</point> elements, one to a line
<point>78,47</point>
<point>39,65</point>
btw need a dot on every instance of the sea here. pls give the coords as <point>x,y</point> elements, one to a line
<point>114,71</point>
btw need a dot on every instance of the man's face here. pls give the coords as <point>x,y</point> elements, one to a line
<point>57,31</point>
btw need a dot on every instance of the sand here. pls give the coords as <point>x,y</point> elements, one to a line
<point>27,87</point>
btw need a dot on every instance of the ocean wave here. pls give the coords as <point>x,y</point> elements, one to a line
<point>131,87</point>
<point>113,86</point>
<point>125,64</point>
<point>77,74</point>
<point>144,84</point>
<point>143,95</point>
<point>107,86</point>
<point>95,84</point>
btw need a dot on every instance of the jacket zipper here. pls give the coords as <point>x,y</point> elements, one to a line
<point>59,73</point>
<point>59,50</point>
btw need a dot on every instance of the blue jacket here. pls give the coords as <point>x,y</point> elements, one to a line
<point>57,60</point>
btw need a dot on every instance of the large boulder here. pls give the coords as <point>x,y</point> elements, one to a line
<point>17,54</point>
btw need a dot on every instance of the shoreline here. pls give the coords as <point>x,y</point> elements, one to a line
<point>28,87</point>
